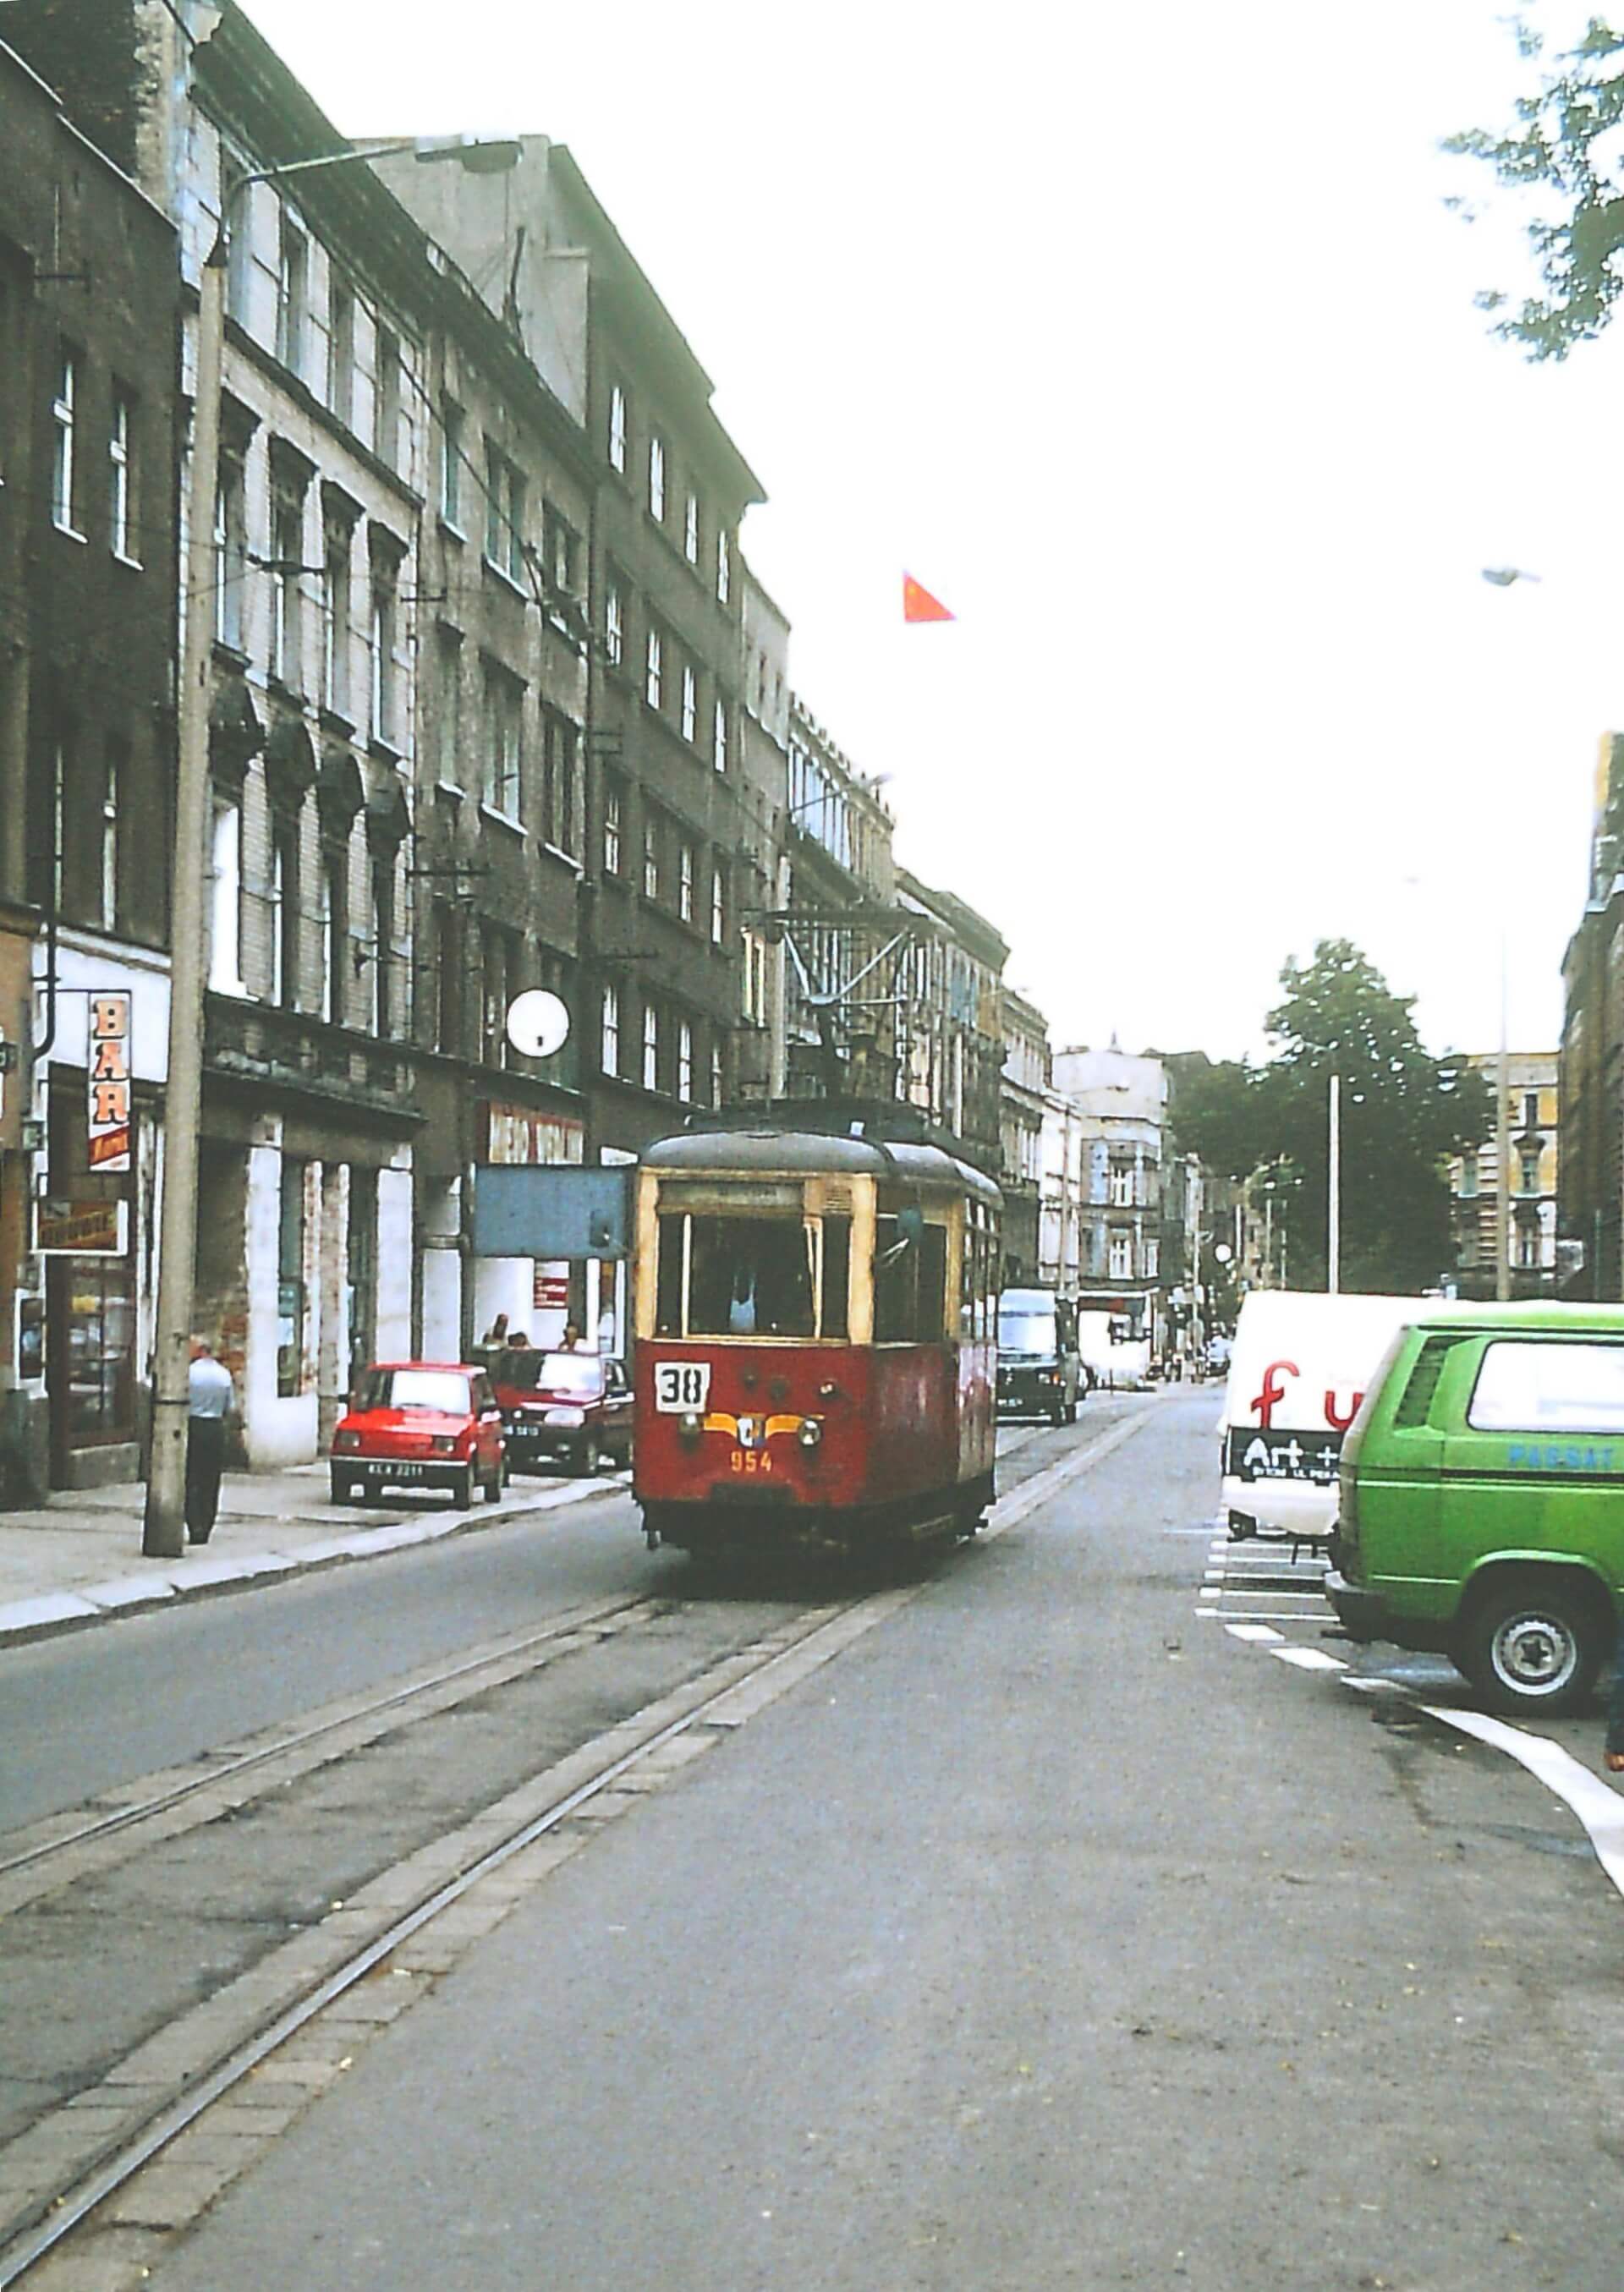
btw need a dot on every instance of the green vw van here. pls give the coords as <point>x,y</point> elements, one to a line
<point>1481,1498</point>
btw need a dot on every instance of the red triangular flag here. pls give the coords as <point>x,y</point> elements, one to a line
<point>919,605</point>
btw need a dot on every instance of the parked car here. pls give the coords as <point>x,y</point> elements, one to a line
<point>572,1409</point>
<point>1039,1370</point>
<point>413,1425</point>
<point>1481,1508</point>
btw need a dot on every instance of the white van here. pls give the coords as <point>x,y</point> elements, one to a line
<point>1297,1371</point>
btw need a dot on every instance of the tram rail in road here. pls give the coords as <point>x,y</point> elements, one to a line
<point>57,2176</point>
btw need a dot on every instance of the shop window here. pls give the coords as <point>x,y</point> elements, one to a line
<point>292,1304</point>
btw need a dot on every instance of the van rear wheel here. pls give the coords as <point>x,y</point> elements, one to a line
<point>1533,1645</point>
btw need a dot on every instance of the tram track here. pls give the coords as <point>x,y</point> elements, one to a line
<point>72,2167</point>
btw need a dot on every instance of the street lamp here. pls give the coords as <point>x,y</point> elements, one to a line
<point>163,1529</point>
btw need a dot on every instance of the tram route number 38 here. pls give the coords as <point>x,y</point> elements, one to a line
<point>681,1386</point>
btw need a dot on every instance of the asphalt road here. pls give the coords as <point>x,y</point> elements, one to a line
<point>1048,1936</point>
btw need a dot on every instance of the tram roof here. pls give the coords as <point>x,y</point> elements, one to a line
<point>808,1153</point>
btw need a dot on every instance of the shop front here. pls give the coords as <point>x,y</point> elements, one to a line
<point>82,1313</point>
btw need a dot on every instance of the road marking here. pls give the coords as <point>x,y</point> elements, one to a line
<point>1374,1685</point>
<point>1308,1659</point>
<point>1252,1631</point>
<point>1597,1804</point>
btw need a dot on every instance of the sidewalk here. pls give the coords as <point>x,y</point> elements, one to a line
<point>78,1560</point>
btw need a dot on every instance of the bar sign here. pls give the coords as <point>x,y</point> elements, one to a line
<point>107,1060</point>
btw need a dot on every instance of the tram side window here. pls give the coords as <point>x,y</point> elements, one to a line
<point>836,1274</point>
<point>668,1287</point>
<point>909,1284</point>
<point>751,1276</point>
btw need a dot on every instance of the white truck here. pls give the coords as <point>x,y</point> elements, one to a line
<point>1299,1369</point>
<point>1118,1363</point>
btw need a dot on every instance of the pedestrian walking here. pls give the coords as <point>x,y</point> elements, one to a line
<point>496,1333</point>
<point>210,1392</point>
<point>1615,1713</point>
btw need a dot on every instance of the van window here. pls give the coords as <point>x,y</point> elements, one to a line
<point>1415,1402</point>
<point>1550,1387</point>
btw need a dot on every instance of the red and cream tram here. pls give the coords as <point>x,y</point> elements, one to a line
<point>816,1350</point>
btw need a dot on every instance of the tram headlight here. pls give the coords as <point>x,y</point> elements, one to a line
<point>573,1417</point>
<point>811,1432</point>
<point>691,1424</point>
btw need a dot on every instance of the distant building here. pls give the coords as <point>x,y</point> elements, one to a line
<point>1535,1158</point>
<point>1119,1103</point>
<point>1025,1082</point>
<point>1592,1085</point>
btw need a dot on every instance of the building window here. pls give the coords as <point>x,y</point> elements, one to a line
<point>284,911</point>
<point>286,591</point>
<point>451,465</point>
<point>293,287</point>
<point>685,883</point>
<point>335,619</point>
<point>558,776</point>
<point>614,623</point>
<point>113,773</point>
<point>651,857</point>
<point>617,428</point>
<point>335,931</point>
<point>609,1055</point>
<point>448,656</point>
<point>449,978</point>
<point>225,902</point>
<point>1152,1260</point>
<point>724,569</point>
<point>717,903</point>
<point>381,640</point>
<point>716,1073</point>
<point>656,477</point>
<point>1122,1256</point>
<point>386,398</point>
<point>503,706</point>
<point>119,451</point>
<point>653,683</point>
<point>690,528</point>
<point>611,831</point>
<point>691,701</point>
<point>753,979</point>
<point>560,552</point>
<point>504,505</point>
<point>1468,1178</point>
<point>1528,1175</point>
<point>684,1059</point>
<point>1531,1110</point>
<point>496,966</point>
<point>341,355</point>
<point>230,552</point>
<point>382,946</point>
<point>1120,1191</point>
<point>719,735</point>
<point>650,1047</point>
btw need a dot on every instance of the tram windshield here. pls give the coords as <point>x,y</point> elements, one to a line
<point>741,1277</point>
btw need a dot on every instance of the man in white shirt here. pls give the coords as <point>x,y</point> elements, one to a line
<point>210,1390</point>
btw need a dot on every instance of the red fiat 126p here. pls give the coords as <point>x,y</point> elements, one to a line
<point>414,1424</point>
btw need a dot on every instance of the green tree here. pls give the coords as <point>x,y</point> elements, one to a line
<point>1565,142</point>
<point>1403,1113</point>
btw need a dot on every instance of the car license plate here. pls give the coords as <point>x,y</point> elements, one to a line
<point>393,1471</point>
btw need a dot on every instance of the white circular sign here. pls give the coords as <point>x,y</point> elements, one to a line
<point>537,1023</point>
<point>1224,1252</point>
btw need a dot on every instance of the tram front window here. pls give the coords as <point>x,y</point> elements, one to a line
<point>750,1277</point>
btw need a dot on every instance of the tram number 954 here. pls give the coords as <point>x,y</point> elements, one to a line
<point>681,1386</point>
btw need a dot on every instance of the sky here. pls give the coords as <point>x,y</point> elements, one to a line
<point>1142,336</point>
